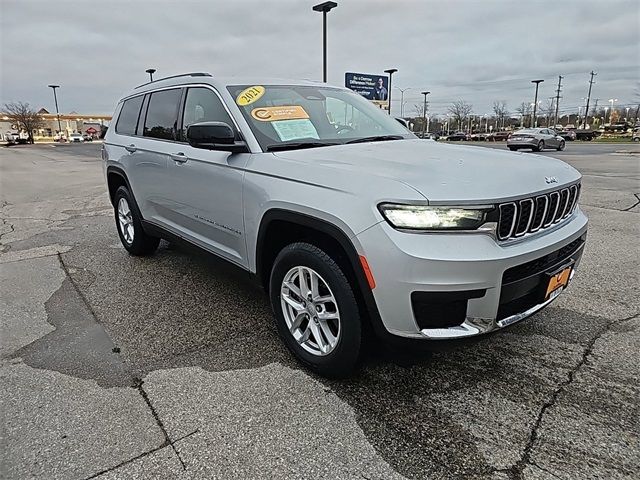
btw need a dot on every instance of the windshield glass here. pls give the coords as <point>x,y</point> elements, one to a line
<point>282,116</point>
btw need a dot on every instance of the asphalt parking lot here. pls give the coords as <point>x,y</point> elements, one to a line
<point>170,366</point>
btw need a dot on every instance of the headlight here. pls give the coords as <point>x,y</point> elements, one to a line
<point>419,217</point>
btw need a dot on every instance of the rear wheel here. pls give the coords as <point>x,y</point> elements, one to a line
<point>129,223</point>
<point>316,312</point>
<point>540,146</point>
<point>561,146</point>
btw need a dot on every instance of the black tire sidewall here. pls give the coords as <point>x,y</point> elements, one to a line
<point>540,145</point>
<point>142,243</point>
<point>343,359</point>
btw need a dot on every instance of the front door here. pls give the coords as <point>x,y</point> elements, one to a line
<point>206,185</point>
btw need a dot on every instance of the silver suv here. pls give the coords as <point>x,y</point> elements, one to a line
<point>346,218</point>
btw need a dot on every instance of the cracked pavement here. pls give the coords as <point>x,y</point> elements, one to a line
<point>116,367</point>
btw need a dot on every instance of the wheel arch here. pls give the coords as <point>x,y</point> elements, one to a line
<point>290,226</point>
<point>116,177</point>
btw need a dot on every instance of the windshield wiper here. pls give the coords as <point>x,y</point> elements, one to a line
<point>297,145</point>
<point>376,138</point>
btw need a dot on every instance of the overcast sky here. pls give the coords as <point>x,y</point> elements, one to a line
<point>479,51</point>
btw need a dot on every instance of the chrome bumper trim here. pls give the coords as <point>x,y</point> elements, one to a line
<point>477,326</point>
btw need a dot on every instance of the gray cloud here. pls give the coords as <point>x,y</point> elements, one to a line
<point>476,50</point>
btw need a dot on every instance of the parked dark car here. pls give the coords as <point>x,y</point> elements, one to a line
<point>88,138</point>
<point>459,136</point>
<point>569,135</point>
<point>501,136</point>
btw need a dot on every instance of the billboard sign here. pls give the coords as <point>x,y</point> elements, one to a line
<point>371,87</point>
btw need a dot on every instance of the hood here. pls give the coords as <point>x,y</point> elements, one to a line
<point>444,173</point>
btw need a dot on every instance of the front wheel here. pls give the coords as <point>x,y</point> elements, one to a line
<point>540,146</point>
<point>513,149</point>
<point>316,312</point>
<point>561,146</point>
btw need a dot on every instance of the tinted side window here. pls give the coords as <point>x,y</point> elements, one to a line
<point>203,105</point>
<point>128,118</point>
<point>162,114</point>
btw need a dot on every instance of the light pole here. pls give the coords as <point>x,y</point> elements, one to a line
<point>324,8</point>
<point>402,90</point>
<point>612,101</point>
<point>535,102</point>
<point>150,71</point>
<point>424,113</point>
<point>606,109</point>
<point>626,118</point>
<point>391,71</point>
<point>55,99</point>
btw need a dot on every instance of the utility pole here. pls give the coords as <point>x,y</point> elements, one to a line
<point>591,82</point>
<point>424,113</point>
<point>560,77</point>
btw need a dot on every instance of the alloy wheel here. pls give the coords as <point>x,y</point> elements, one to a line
<point>125,221</point>
<point>310,310</point>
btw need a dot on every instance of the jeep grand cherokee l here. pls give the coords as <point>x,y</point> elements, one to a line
<point>345,217</point>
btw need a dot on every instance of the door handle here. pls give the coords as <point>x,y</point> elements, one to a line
<point>130,148</point>
<point>179,157</point>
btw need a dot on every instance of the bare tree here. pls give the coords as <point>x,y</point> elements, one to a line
<point>500,110</point>
<point>460,110</point>
<point>524,110</point>
<point>24,117</point>
<point>550,110</point>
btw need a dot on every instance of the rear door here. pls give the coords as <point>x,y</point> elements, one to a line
<point>157,137</point>
<point>206,185</point>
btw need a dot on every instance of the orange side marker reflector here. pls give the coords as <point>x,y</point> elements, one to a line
<point>367,272</point>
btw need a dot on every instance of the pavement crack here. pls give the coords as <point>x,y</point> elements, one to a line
<point>516,471</point>
<point>126,462</point>
<point>635,204</point>
<point>167,438</point>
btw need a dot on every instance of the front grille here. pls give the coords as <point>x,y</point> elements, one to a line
<point>528,215</point>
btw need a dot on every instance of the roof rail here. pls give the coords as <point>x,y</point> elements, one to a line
<point>193,74</point>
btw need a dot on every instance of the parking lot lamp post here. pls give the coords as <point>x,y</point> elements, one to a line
<point>612,101</point>
<point>324,8</point>
<point>535,102</point>
<point>55,99</point>
<point>150,71</point>
<point>402,90</point>
<point>391,71</point>
<point>626,117</point>
<point>424,113</point>
<point>606,109</point>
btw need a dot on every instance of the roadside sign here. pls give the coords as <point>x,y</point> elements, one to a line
<point>372,87</point>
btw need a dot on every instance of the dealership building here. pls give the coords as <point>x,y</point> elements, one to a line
<point>69,123</point>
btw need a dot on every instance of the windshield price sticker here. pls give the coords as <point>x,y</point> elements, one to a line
<point>295,129</point>
<point>250,95</point>
<point>284,112</point>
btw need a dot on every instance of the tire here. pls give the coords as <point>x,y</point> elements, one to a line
<point>129,225</point>
<point>540,146</point>
<point>636,139</point>
<point>513,149</point>
<point>561,146</point>
<point>340,359</point>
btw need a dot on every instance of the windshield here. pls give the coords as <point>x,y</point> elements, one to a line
<point>285,116</point>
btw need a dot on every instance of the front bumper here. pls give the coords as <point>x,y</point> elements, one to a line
<point>469,268</point>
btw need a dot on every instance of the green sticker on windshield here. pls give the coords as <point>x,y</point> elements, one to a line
<point>295,129</point>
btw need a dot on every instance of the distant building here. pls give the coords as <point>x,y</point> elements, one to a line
<point>69,122</point>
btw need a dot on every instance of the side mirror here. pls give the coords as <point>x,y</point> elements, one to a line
<point>214,136</point>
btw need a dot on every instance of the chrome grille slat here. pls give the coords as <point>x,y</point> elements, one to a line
<point>530,215</point>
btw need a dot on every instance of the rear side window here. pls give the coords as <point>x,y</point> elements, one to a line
<point>162,114</point>
<point>128,118</point>
<point>203,105</point>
